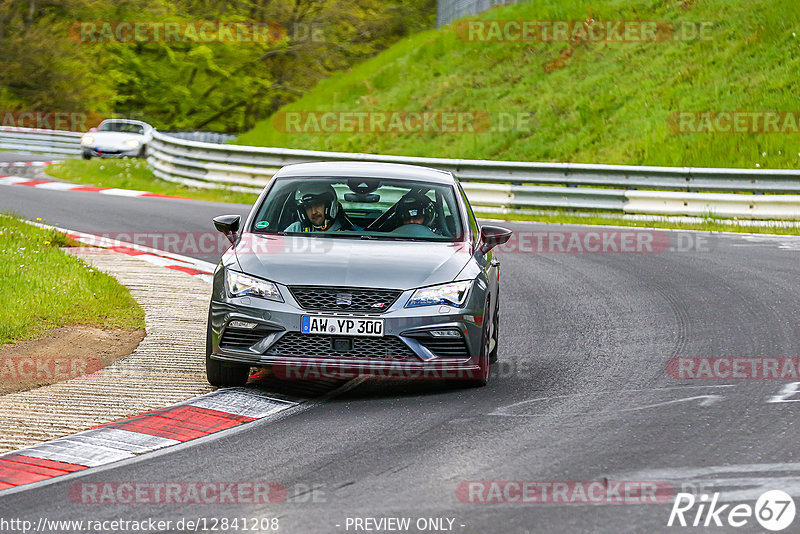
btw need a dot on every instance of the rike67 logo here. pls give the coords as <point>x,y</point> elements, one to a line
<point>774,510</point>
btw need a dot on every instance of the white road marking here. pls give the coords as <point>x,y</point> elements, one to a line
<point>75,452</point>
<point>158,260</point>
<point>788,390</point>
<point>708,401</point>
<point>122,192</point>
<point>503,411</point>
<point>124,440</point>
<point>712,479</point>
<point>13,180</point>
<point>242,401</point>
<point>59,186</point>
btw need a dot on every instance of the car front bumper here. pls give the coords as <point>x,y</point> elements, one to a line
<point>99,152</point>
<point>408,326</point>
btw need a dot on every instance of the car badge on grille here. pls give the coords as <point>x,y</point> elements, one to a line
<point>378,305</point>
<point>344,299</point>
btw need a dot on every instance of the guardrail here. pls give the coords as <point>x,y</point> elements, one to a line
<point>35,140</point>
<point>449,10</point>
<point>493,186</point>
<point>512,186</point>
<point>65,142</point>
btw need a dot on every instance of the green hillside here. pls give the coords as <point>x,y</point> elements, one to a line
<point>588,100</point>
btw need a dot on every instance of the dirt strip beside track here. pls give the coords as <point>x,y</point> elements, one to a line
<point>166,367</point>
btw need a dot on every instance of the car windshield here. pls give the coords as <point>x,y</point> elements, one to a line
<point>367,208</point>
<point>126,127</point>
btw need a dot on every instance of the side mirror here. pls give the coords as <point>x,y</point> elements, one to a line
<point>491,236</point>
<point>228,225</point>
<point>92,130</point>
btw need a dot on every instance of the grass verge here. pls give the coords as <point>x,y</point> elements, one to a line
<point>132,173</point>
<point>44,288</point>
<point>584,100</point>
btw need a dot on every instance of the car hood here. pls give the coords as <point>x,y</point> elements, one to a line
<point>298,260</point>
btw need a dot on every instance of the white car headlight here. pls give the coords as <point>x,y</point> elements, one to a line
<point>87,140</point>
<point>452,294</point>
<point>241,285</point>
<point>133,143</point>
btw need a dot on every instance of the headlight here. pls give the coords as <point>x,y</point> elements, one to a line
<point>87,140</point>
<point>241,285</point>
<point>452,294</point>
<point>133,143</point>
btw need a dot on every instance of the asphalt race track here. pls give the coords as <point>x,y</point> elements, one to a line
<point>581,393</point>
<point>18,156</point>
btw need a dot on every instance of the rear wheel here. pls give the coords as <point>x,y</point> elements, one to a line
<point>223,374</point>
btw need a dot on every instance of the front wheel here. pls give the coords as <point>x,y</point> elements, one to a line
<point>484,358</point>
<point>86,155</point>
<point>223,374</point>
<point>495,334</point>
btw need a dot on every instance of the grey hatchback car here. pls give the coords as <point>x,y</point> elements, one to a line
<point>356,269</point>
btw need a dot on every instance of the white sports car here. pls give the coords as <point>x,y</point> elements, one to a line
<point>115,138</point>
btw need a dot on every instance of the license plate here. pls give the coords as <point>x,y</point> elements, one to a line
<point>345,326</point>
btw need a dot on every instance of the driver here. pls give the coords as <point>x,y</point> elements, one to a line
<point>417,210</point>
<point>319,209</point>
<point>414,209</point>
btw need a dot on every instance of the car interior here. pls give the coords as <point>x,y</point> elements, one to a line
<point>370,206</point>
<point>125,127</point>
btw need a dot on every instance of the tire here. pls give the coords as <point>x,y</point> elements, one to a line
<point>226,375</point>
<point>495,333</point>
<point>86,155</point>
<point>484,358</point>
<point>223,374</point>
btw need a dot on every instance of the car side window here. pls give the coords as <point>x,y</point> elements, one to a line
<point>473,223</point>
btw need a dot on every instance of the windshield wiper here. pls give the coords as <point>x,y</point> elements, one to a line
<point>403,238</point>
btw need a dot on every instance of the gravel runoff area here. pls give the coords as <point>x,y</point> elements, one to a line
<point>168,366</point>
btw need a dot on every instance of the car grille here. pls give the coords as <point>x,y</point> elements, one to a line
<point>321,346</point>
<point>446,348</point>
<point>349,299</point>
<point>242,338</point>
